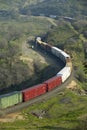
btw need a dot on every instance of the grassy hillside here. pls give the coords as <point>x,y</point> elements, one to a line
<point>16,3</point>
<point>13,9</point>
<point>60,8</point>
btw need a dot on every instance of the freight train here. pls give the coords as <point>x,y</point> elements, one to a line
<point>16,97</point>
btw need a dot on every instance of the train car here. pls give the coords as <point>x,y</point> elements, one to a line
<point>64,73</point>
<point>10,99</point>
<point>38,39</point>
<point>53,82</point>
<point>56,52</point>
<point>69,64</point>
<point>43,45</point>
<point>65,56</point>
<point>48,48</point>
<point>60,54</point>
<point>38,44</point>
<point>34,91</point>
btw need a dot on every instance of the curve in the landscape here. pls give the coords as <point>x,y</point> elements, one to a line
<point>17,97</point>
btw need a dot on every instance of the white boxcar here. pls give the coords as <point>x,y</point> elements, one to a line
<point>61,54</point>
<point>56,51</point>
<point>64,73</point>
<point>64,56</point>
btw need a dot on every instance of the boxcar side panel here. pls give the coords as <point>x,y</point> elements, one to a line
<point>10,99</point>
<point>64,73</point>
<point>53,82</point>
<point>33,92</point>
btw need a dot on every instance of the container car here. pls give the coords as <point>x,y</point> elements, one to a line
<point>38,43</point>
<point>48,48</point>
<point>56,52</point>
<point>38,39</point>
<point>64,73</point>
<point>43,45</point>
<point>34,91</point>
<point>60,54</point>
<point>10,99</point>
<point>65,56</point>
<point>53,82</point>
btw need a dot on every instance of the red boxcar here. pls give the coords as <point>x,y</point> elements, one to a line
<point>34,91</point>
<point>53,82</point>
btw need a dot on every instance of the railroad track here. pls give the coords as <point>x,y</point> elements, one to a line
<point>64,77</point>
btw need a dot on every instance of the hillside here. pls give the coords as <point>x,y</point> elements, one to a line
<point>13,9</point>
<point>61,8</point>
<point>5,4</point>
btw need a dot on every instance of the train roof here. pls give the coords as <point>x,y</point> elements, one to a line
<point>9,94</point>
<point>62,52</point>
<point>65,54</point>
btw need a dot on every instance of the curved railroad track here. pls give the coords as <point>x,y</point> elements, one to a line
<point>41,98</point>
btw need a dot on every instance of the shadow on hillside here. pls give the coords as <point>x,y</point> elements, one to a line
<point>38,77</point>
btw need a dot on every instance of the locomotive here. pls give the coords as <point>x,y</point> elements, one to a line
<point>16,97</point>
